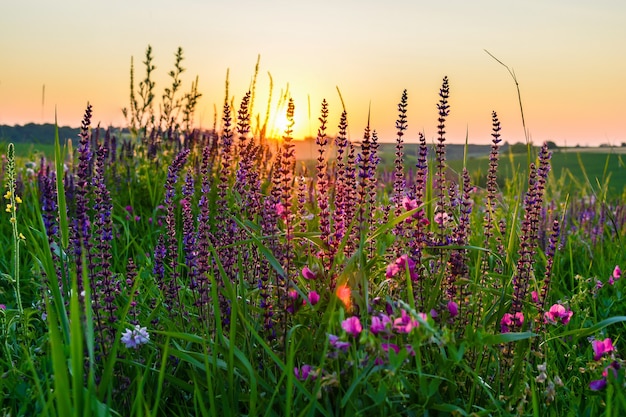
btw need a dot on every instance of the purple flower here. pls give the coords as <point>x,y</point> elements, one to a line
<point>510,321</point>
<point>338,344</point>
<point>390,346</point>
<point>379,324</point>
<point>558,313</point>
<point>600,347</point>
<point>314,297</point>
<point>453,308</point>
<point>303,373</point>
<point>598,384</point>
<point>404,323</point>
<point>399,265</point>
<point>307,273</point>
<point>133,338</point>
<point>352,325</point>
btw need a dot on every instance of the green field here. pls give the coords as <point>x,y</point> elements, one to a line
<point>603,174</point>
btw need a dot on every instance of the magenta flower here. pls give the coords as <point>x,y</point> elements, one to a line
<point>314,298</point>
<point>535,296</point>
<point>510,321</point>
<point>558,313</point>
<point>404,323</point>
<point>280,210</point>
<point>617,272</point>
<point>379,324</point>
<point>307,273</point>
<point>352,325</point>
<point>303,373</point>
<point>390,346</point>
<point>600,347</point>
<point>3,307</point>
<point>399,265</point>
<point>453,308</point>
<point>133,338</point>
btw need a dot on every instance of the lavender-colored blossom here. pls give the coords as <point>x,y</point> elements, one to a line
<point>336,343</point>
<point>304,372</point>
<point>133,338</point>
<point>380,324</point>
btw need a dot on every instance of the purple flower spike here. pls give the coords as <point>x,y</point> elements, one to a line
<point>352,325</point>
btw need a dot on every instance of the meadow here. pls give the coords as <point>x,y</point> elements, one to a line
<point>183,273</point>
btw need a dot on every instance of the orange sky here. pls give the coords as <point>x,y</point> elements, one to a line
<point>568,56</point>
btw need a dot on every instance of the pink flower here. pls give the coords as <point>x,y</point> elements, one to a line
<point>399,265</point>
<point>510,321</point>
<point>535,296</point>
<point>280,210</point>
<point>307,273</point>
<point>3,307</point>
<point>314,298</point>
<point>617,273</point>
<point>404,323</point>
<point>558,313</point>
<point>352,325</point>
<point>453,308</point>
<point>379,324</point>
<point>600,347</point>
<point>441,218</point>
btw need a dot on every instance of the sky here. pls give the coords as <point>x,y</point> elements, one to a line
<point>568,58</point>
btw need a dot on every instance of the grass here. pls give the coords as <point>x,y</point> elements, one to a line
<point>209,279</point>
<point>602,173</point>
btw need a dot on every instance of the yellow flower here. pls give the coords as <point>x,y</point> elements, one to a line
<point>7,195</point>
<point>21,236</point>
<point>18,199</point>
<point>9,208</point>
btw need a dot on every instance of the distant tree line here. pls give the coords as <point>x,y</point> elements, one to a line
<point>36,133</point>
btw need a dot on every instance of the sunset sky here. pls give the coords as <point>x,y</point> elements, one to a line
<point>569,58</point>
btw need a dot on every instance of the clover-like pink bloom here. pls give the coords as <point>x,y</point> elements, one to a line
<point>600,347</point>
<point>307,273</point>
<point>352,325</point>
<point>314,298</point>
<point>558,313</point>
<point>510,321</point>
<point>617,272</point>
